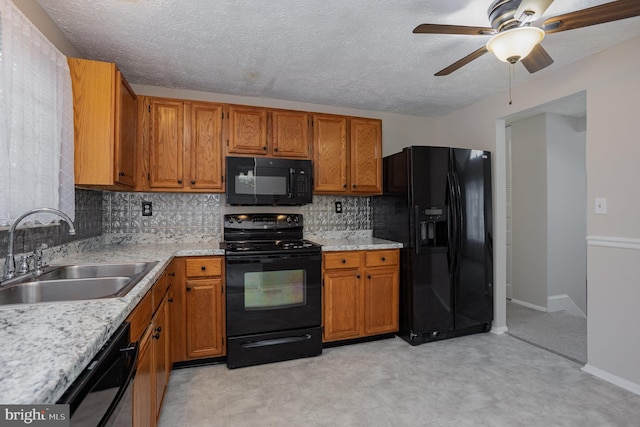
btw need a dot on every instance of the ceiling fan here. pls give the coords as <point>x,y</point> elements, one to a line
<point>517,29</point>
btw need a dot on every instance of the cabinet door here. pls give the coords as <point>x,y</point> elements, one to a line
<point>166,143</point>
<point>290,133</point>
<point>381,298</point>
<point>206,146</point>
<point>125,132</point>
<point>366,156</point>
<point>161,351</point>
<point>330,154</point>
<point>205,318</point>
<point>143,384</point>
<point>247,130</point>
<point>342,304</point>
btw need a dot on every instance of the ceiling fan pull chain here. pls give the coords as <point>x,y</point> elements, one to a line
<point>510,73</point>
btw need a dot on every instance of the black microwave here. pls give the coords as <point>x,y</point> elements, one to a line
<point>266,181</point>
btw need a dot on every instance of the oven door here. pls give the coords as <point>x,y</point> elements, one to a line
<point>276,292</point>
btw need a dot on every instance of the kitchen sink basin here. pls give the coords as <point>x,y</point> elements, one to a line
<point>83,271</point>
<point>75,282</point>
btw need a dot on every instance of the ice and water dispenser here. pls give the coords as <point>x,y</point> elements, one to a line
<point>431,224</point>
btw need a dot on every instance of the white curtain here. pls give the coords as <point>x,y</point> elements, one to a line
<point>36,122</point>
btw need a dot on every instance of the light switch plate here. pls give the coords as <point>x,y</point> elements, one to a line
<point>601,206</point>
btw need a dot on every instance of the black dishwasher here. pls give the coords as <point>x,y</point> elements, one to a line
<point>101,395</point>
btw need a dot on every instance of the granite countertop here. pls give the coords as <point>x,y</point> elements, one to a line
<point>351,242</point>
<point>46,346</point>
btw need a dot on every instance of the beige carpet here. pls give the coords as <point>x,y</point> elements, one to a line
<point>559,332</point>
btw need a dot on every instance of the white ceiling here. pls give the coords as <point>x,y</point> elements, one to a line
<point>356,53</point>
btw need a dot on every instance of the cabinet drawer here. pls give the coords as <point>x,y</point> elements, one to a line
<point>140,318</point>
<point>346,259</point>
<point>203,267</point>
<point>380,258</point>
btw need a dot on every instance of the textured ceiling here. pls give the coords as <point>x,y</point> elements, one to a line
<point>356,53</point>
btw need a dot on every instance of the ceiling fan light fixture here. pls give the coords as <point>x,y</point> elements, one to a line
<point>514,44</point>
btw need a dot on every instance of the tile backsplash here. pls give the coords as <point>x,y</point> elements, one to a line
<point>182,216</point>
<point>88,223</point>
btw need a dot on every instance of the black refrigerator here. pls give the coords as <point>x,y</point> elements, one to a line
<point>437,202</point>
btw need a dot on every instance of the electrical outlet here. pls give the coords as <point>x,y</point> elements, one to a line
<point>338,207</point>
<point>147,209</point>
<point>601,206</point>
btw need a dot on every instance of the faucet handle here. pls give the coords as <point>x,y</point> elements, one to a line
<point>24,264</point>
<point>37,257</point>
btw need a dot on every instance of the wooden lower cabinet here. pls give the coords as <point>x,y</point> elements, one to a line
<point>154,353</point>
<point>143,405</point>
<point>360,294</point>
<point>199,299</point>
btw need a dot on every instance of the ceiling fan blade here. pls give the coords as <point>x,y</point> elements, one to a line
<point>608,12</point>
<point>452,29</point>
<point>537,59</point>
<point>464,61</point>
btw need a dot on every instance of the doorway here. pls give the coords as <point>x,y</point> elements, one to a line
<point>545,153</point>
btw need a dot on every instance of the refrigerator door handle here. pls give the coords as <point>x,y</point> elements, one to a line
<point>452,228</point>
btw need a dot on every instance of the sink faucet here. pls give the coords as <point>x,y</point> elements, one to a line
<point>9,262</point>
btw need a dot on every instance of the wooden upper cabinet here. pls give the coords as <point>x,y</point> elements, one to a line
<point>247,130</point>
<point>105,121</point>
<point>330,154</point>
<point>166,143</point>
<point>347,155</point>
<point>183,145</point>
<point>366,156</point>
<point>290,133</point>
<point>206,146</point>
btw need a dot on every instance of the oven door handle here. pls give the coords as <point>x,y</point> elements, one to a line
<point>276,341</point>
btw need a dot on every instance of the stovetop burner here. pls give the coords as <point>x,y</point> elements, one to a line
<point>260,233</point>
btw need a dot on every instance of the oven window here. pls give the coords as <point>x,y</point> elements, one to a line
<point>264,290</point>
<point>260,185</point>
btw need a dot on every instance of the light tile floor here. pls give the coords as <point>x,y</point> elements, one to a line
<point>479,380</point>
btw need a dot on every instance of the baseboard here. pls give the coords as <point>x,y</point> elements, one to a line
<point>499,330</point>
<point>613,379</point>
<point>528,305</point>
<point>563,302</point>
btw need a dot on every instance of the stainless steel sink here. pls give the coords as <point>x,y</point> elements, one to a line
<point>82,271</point>
<point>75,282</point>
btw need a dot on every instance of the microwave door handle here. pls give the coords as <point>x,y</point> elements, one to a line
<point>292,172</point>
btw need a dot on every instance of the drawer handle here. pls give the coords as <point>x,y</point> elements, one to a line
<point>383,259</point>
<point>344,261</point>
<point>203,268</point>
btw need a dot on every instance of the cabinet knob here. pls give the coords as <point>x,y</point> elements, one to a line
<point>172,274</point>
<point>188,288</point>
<point>203,268</point>
<point>368,276</point>
<point>156,336</point>
<point>193,182</point>
<point>344,261</point>
<point>170,300</point>
<point>159,329</point>
<point>357,276</point>
<point>275,149</point>
<point>383,259</point>
<point>344,185</point>
<point>264,148</point>
<point>179,181</point>
<point>354,186</point>
<point>121,174</point>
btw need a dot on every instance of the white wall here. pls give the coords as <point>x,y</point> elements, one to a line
<point>529,210</point>
<point>612,84</point>
<point>566,216</point>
